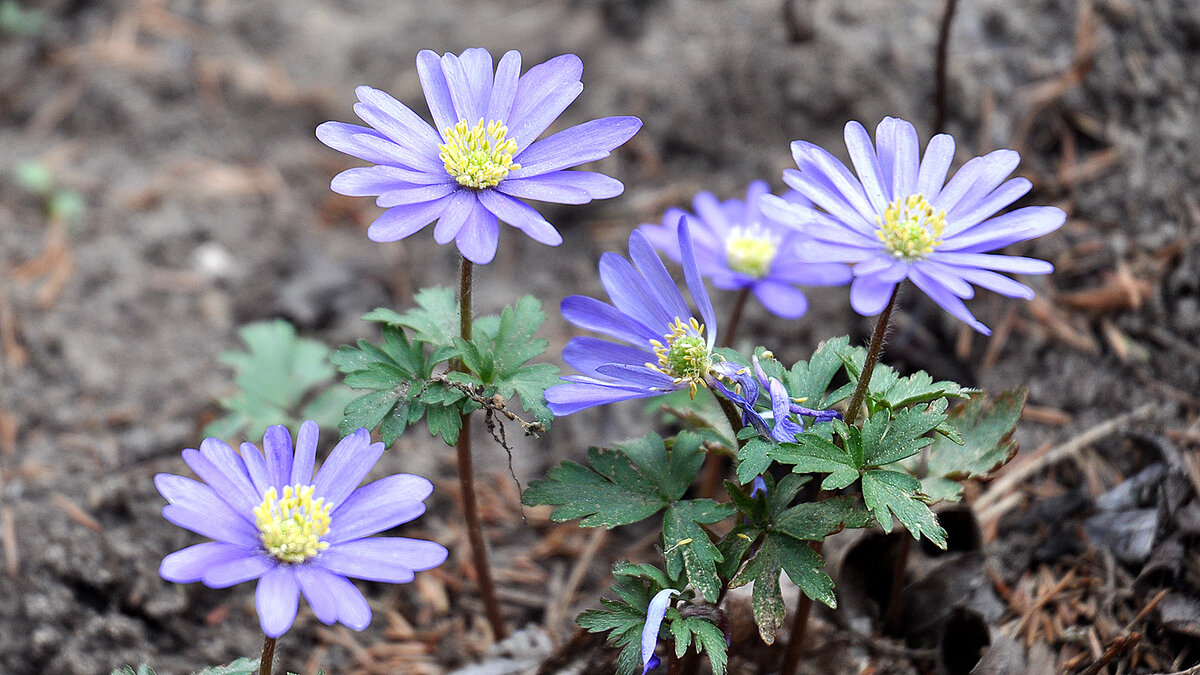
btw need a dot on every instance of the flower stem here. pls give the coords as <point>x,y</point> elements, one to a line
<point>795,646</point>
<point>268,656</point>
<point>714,467</point>
<point>939,69</point>
<point>735,318</point>
<point>466,476</point>
<point>873,352</point>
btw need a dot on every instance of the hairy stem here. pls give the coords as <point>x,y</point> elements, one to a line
<point>268,656</point>
<point>735,318</point>
<point>466,477</point>
<point>795,646</point>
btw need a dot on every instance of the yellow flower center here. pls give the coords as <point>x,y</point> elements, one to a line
<point>909,228</point>
<point>479,156</point>
<point>750,251</point>
<point>684,355</point>
<point>291,527</point>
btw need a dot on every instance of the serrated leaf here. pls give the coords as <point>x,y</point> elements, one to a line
<point>813,521</point>
<point>515,341</point>
<point>686,546</point>
<point>986,434</point>
<point>889,493</point>
<point>754,458</point>
<point>705,636</point>
<point>477,356</point>
<point>626,483</point>
<point>529,383</point>
<point>892,437</point>
<point>445,421</point>
<point>644,571</point>
<point>274,377</point>
<point>623,620</point>
<point>368,411</point>
<point>384,315</point>
<point>142,669</point>
<point>812,454</point>
<point>810,379</point>
<point>780,552</point>
<point>435,319</point>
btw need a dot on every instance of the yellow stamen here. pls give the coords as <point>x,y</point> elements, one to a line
<point>480,156</point>
<point>291,527</point>
<point>683,355</point>
<point>750,251</point>
<point>909,228</point>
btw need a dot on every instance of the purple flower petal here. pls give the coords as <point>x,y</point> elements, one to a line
<point>695,284</point>
<point>907,159</point>
<point>480,234</point>
<point>277,448</point>
<point>277,598</point>
<point>386,559</point>
<point>658,280</point>
<point>314,583</point>
<point>467,105</point>
<point>256,467</point>
<point>421,160</point>
<point>995,282</point>
<point>1001,263</point>
<point>346,467</point>
<point>521,216</point>
<point>223,469</point>
<point>233,571</point>
<point>654,618</point>
<point>306,453</point>
<point>437,91</point>
<point>869,294</point>
<point>504,88</point>
<point>934,165</point>
<point>353,611</point>
<point>394,119</point>
<point>189,565</point>
<point>595,315</point>
<point>946,299</point>
<point>586,354</point>
<point>347,138</point>
<point>866,163</point>
<point>462,207</point>
<point>781,300</point>
<point>564,187</point>
<point>963,219</point>
<point>542,94</point>
<point>631,294</point>
<point>1009,228</point>
<point>476,64</point>
<point>197,507</point>
<point>571,397</point>
<point>577,145</point>
<point>370,181</point>
<point>415,194</point>
<point>378,506</point>
<point>830,180</point>
<point>399,222</point>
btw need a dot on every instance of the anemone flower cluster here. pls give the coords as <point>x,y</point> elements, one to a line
<point>738,247</point>
<point>745,395</point>
<point>662,348</point>
<point>482,158</point>
<point>273,520</point>
<point>900,219</point>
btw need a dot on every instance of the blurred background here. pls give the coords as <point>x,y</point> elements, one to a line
<point>161,187</point>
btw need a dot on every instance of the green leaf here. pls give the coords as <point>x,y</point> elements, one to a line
<point>754,458</point>
<point>780,552</point>
<point>686,546</point>
<point>892,437</point>
<point>243,666</point>
<point>813,521</point>
<point>444,420</point>
<point>705,635</point>
<point>369,411</point>
<point>143,669</point>
<point>889,493</point>
<point>810,379</point>
<point>623,620</point>
<point>986,434</point>
<point>529,383</point>
<point>700,413</point>
<point>435,319</point>
<point>626,483</point>
<point>274,377</point>
<point>813,454</point>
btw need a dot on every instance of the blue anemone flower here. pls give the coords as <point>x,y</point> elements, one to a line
<point>900,219</point>
<point>662,348</point>
<point>482,159</point>
<point>272,519</point>
<point>738,247</point>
